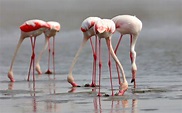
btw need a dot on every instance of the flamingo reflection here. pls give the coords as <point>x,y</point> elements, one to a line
<point>51,106</point>
<point>116,106</point>
<point>33,95</point>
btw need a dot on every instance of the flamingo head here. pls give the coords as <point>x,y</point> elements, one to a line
<point>70,79</point>
<point>10,76</point>
<point>123,87</point>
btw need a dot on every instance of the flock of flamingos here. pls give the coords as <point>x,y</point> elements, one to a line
<point>91,26</point>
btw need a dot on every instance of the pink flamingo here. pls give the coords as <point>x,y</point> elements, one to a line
<point>104,29</point>
<point>88,32</point>
<point>127,24</point>
<point>31,28</point>
<point>54,28</point>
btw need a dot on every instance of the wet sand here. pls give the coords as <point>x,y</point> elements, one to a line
<point>158,59</point>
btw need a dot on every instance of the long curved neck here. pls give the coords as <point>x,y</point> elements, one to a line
<point>15,53</point>
<point>41,53</point>
<point>108,41</point>
<point>77,54</point>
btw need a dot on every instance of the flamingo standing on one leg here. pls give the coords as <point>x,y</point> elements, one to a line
<point>54,28</point>
<point>88,32</point>
<point>31,28</point>
<point>127,24</point>
<point>104,29</point>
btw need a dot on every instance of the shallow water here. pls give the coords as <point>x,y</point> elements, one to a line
<point>159,59</point>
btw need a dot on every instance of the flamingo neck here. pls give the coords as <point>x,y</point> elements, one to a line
<point>41,53</point>
<point>15,53</point>
<point>77,54</point>
<point>115,58</point>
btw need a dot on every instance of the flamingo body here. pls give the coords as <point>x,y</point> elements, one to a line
<point>31,28</point>
<point>104,25</point>
<point>54,28</point>
<point>127,24</point>
<point>32,25</point>
<point>104,29</point>
<point>88,32</point>
<point>87,26</point>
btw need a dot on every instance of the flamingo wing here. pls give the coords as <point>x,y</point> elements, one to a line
<point>33,25</point>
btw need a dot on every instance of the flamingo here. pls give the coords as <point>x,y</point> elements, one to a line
<point>127,24</point>
<point>88,32</point>
<point>54,28</point>
<point>31,28</point>
<point>104,29</point>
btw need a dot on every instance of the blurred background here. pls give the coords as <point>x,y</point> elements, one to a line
<point>70,13</point>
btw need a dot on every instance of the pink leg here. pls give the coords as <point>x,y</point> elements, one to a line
<point>53,55</point>
<point>95,59</point>
<point>100,66</point>
<point>93,84</point>
<point>109,64</point>
<point>115,51</point>
<point>32,58</point>
<point>28,79</point>
<point>49,49</point>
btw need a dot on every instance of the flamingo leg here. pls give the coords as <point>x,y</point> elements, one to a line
<point>95,59</point>
<point>133,40</point>
<point>110,72</point>
<point>115,51</point>
<point>34,59</point>
<point>32,62</point>
<point>100,66</point>
<point>49,50</point>
<point>53,55</point>
<point>93,84</point>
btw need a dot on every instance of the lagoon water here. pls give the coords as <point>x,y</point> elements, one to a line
<point>159,58</point>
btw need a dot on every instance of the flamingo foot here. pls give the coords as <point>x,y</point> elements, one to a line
<point>10,76</point>
<point>48,72</point>
<point>70,80</point>
<point>93,85</point>
<point>99,94</point>
<point>90,85</point>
